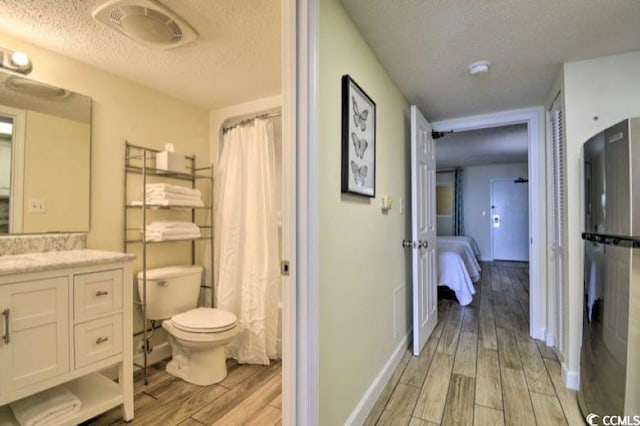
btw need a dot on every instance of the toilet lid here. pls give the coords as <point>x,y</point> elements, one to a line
<point>204,320</point>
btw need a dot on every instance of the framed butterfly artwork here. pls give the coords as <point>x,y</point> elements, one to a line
<point>358,140</point>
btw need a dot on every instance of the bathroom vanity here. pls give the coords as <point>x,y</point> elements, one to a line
<point>65,316</point>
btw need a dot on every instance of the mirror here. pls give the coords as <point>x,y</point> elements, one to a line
<point>45,147</point>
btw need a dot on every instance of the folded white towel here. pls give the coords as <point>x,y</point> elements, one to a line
<point>176,231</point>
<point>172,224</point>
<point>170,196</point>
<point>50,407</point>
<point>163,230</point>
<point>172,189</point>
<point>162,236</point>
<point>171,203</point>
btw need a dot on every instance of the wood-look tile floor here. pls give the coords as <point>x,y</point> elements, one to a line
<point>249,395</point>
<point>480,367</point>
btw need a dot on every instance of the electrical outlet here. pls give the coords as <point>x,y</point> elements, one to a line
<point>37,205</point>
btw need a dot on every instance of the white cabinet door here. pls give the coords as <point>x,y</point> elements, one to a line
<point>38,332</point>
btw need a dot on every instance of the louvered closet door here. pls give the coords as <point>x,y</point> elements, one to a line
<point>558,213</point>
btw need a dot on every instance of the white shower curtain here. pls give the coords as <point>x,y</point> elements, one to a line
<point>246,240</point>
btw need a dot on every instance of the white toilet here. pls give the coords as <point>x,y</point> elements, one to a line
<point>197,335</point>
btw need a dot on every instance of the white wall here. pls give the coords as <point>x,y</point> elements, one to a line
<point>476,184</point>
<point>363,285</point>
<point>607,88</point>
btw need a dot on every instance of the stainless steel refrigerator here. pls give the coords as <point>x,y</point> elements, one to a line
<point>610,354</point>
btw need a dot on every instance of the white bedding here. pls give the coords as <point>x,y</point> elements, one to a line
<point>463,239</point>
<point>464,250</point>
<point>452,273</point>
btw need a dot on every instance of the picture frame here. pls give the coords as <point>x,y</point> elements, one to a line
<point>358,140</point>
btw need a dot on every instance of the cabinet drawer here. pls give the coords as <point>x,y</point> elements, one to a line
<point>98,339</point>
<point>96,294</point>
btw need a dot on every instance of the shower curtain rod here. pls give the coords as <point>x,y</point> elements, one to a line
<point>249,120</point>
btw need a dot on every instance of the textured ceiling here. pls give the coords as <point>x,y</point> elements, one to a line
<point>236,57</point>
<point>426,46</point>
<point>498,145</point>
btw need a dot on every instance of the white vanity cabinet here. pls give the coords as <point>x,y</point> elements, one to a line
<point>35,337</point>
<point>63,325</point>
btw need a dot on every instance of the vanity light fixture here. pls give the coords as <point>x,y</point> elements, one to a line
<point>15,61</point>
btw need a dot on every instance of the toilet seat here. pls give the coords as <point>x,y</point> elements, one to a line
<point>204,320</point>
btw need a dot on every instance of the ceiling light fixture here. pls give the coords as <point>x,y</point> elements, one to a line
<point>479,67</point>
<point>15,61</point>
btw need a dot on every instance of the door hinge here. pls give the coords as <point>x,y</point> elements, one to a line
<point>284,268</point>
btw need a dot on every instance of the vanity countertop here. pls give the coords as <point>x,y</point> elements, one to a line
<point>34,262</point>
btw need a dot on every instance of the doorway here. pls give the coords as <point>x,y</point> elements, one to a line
<point>510,219</point>
<point>12,135</point>
<point>534,119</point>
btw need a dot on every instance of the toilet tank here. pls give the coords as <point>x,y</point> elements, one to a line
<point>171,290</point>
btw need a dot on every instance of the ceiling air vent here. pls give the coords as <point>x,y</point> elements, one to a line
<point>147,22</point>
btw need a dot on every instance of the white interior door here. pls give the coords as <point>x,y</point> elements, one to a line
<point>510,220</point>
<point>423,229</point>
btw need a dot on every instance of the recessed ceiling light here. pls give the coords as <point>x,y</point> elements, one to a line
<point>479,67</point>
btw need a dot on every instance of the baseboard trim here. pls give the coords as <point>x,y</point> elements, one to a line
<point>550,340</point>
<point>159,352</point>
<point>540,334</point>
<point>364,406</point>
<point>571,378</point>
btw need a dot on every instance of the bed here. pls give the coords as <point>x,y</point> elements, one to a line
<point>458,267</point>
<point>464,240</point>
<point>453,273</point>
<point>465,251</point>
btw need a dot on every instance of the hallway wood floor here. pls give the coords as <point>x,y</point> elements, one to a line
<point>480,367</point>
<point>249,395</point>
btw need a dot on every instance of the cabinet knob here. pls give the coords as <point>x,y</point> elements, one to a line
<point>100,340</point>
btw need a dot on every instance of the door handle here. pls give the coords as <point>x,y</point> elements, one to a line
<point>412,244</point>
<point>408,244</point>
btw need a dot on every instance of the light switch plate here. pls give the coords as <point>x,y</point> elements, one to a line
<point>37,205</point>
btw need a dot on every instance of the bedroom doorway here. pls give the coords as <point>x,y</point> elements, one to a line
<point>533,118</point>
<point>510,219</point>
